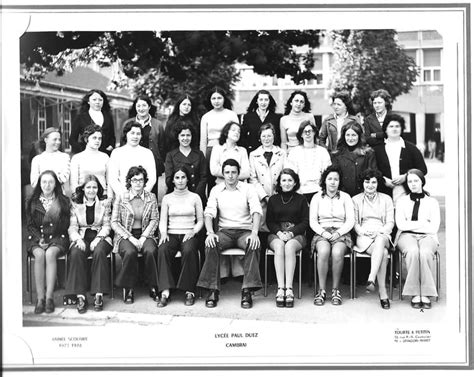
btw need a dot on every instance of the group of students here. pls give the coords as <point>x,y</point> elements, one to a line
<point>277,181</point>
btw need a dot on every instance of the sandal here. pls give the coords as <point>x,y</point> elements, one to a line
<point>336,298</point>
<point>370,286</point>
<point>290,298</point>
<point>320,298</point>
<point>280,298</point>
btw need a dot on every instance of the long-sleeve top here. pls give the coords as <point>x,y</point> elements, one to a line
<point>376,215</point>
<point>120,162</point>
<point>212,124</point>
<point>81,122</point>
<point>337,212</point>
<point>265,174</point>
<point>196,164</point>
<point>123,217</point>
<point>57,161</point>
<point>330,129</point>
<point>291,123</point>
<point>428,216</point>
<point>251,124</point>
<point>88,162</point>
<point>296,211</point>
<point>352,164</point>
<point>309,164</point>
<point>234,208</point>
<point>220,153</point>
<point>101,223</point>
<point>181,212</point>
<point>155,140</point>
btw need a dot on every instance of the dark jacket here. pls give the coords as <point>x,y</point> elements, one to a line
<point>83,120</point>
<point>196,164</point>
<point>52,228</point>
<point>156,142</point>
<point>372,126</point>
<point>352,164</point>
<point>171,139</point>
<point>251,124</point>
<point>410,158</point>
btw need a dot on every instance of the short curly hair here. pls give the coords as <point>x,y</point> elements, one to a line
<point>134,171</point>
<point>369,174</point>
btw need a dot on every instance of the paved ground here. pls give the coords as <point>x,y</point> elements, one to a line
<point>145,312</point>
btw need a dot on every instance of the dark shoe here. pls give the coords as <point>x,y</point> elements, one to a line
<point>280,298</point>
<point>154,294</point>
<point>162,301</point>
<point>81,304</point>
<point>98,303</point>
<point>212,298</point>
<point>385,303</point>
<point>189,299</point>
<point>290,298</point>
<point>129,299</point>
<point>49,308</point>
<point>246,302</point>
<point>415,304</point>
<point>370,287</point>
<point>425,303</point>
<point>40,306</point>
<point>224,280</point>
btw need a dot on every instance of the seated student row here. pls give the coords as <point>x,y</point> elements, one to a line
<point>135,219</point>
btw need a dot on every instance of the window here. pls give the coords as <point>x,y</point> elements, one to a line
<point>65,117</point>
<point>431,65</point>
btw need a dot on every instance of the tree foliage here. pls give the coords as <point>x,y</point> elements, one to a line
<point>367,60</point>
<point>166,64</point>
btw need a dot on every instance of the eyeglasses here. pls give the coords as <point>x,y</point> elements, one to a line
<point>308,132</point>
<point>137,180</point>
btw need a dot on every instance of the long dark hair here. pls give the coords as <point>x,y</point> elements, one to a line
<point>78,196</point>
<point>307,105</point>
<point>222,92</point>
<point>293,175</point>
<point>85,101</point>
<point>192,114</point>
<point>254,105</point>
<point>132,112</point>
<point>63,200</point>
<point>357,128</point>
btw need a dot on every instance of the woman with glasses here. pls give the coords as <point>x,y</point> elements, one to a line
<point>135,220</point>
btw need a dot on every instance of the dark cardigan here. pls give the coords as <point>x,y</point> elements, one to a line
<point>296,212</point>
<point>251,126</point>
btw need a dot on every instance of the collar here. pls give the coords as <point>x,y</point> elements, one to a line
<point>221,186</point>
<point>417,196</point>
<point>336,196</point>
<point>142,196</point>
<point>341,116</point>
<point>401,142</point>
<point>381,116</point>
<point>145,122</point>
<point>260,151</point>
<point>226,148</point>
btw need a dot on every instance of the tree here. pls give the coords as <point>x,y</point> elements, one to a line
<point>166,64</point>
<point>367,60</point>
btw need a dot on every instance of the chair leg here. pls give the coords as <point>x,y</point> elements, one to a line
<point>112,274</point>
<point>391,277</point>
<point>438,276</point>
<point>352,269</point>
<point>266,275</point>
<point>315,260</point>
<point>299,273</point>
<point>400,280</point>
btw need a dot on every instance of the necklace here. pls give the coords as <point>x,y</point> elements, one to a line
<point>281,196</point>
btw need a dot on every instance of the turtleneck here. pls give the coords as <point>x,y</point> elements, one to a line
<point>181,192</point>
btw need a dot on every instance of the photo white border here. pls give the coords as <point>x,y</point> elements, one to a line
<point>451,23</point>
